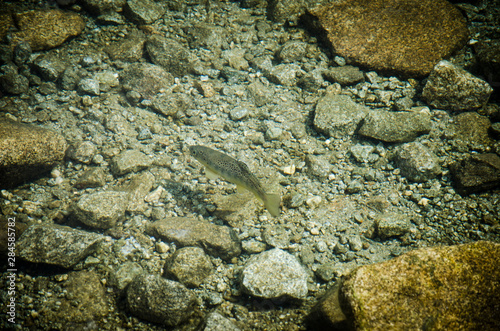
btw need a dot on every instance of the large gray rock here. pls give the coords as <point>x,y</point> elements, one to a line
<point>101,210</point>
<point>159,300</point>
<point>274,274</point>
<point>146,79</point>
<point>143,11</point>
<point>417,162</point>
<point>395,127</point>
<point>184,231</point>
<point>438,288</point>
<point>404,37</point>
<point>338,115</point>
<point>216,322</point>
<point>170,54</point>
<point>130,160</point>
<point>453,88</point>
<point>56,244</point>
<point>27,151</point>
<point>189,265</point>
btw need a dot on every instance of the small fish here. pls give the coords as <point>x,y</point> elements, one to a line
<point>236,172</point>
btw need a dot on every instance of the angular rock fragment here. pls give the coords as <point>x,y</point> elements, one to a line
<point>453,88</point>
<point>338,115</point>
<point>101,210</point>
<point>395,127</point>
<point>129,161</point>
<point>189,265</point>
<point>417,162</point>
<point>476,173</point>
<point>159,300</point>
<point>56,244</point>
<point>184,231</point>
<point>274,274</point>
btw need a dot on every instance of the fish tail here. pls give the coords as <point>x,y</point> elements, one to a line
<point>272,204</point>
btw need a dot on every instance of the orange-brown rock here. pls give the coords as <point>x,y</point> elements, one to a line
<point>439,288</point>
<point>46,29</point>
<point>406,37</point>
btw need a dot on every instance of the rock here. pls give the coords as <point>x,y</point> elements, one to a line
<point>69,78</point>
<point>312,80</point>
<point>130,160</point>
<point>171,104</point>
<point>82,152</point>
<point>138,187</point>
<point>216,322</point>
<point>143,11</point>
<point>453,88</point>
<point>217,240</point>
<point>409,39</point>
<point>82,298</point>
<point>476,173</point>
<point>88,86</point>
<point>439,287</point>
<point>318,166</point>
<point>417,162</point>
<point>345,75</point>
<point>238,113</point>
<point>276,235</point>
<point>49,66</point>
<point>392,225</point>
<point>292,51</point>
<point>129,49</point>
<point>146,79</point>
<point>45,29</point>
<point>99,7</point>
<point>488,55</point>
<point>56,244</point>
<point>338,115</point>
<point>472,129</point>
<point>395,127</point>
<point>169,54</point>
<point>14,83</point>
<point>107,79</point>
<point>285,11</point>
<point>284,74</point>
<point>27,151</point>
<point>126,274</point>
<point>101,210</point>
<point>235,58</point>
<point>260,94</point>
<point>364,153</point>
<point>189,265</point>
<point>22,53</point>
<point>209,36</point>
<point>274,274</point>
<point>92,177</point>
<point>159,300</point>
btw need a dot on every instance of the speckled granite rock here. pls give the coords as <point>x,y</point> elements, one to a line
<point>453,88</point>
<point>189,265</point>
<point>145,78</point>
<point>56,244</point>
<point>159,300</point>
<point>101,210</point>
<point>337,115</point>
<point>45,29</point>
<point>274,274</point>
<point>417,162</point>
<point>27,151</point>
<point>393,127</point>
<point>82,298</point>
<point>440,288</point>
<point>184,231</point>
<point>404,37</point>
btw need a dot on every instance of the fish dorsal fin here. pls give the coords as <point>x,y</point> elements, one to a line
<point>210,174</point>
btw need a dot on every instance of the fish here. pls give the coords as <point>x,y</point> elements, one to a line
<point>234,171</point>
